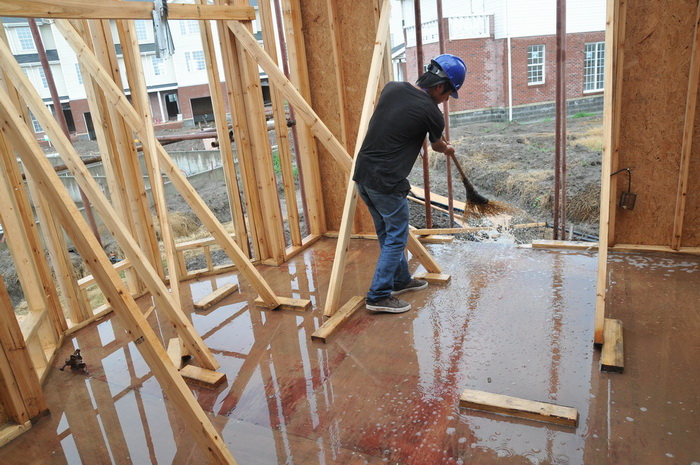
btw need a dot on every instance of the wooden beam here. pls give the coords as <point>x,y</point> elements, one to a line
<point>106,211</point>
<point>210,442</point>
<point>339,318</point>
<point>521,408</point>
<point>175,352</point>
<point>307,151</point>
<point>567,245</point>
<point>225,149</point>
<point>216,296</point>
<point>193,199</point>
<point>435,239</point>
<point>434,278</point>
<point>612,357</point>
<point>347,220</point>
<point>9,432</point>
<point>303,109</point>
<point>112,9</point>
<point>203,377</point>
<point>688,130</point>
<point>15,347</point>
<point>287,303</point>
<point>281,130</point>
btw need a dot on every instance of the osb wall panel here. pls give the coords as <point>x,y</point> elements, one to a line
<point>657,46</point>
<point>357,29</point>
<point>690,236</point>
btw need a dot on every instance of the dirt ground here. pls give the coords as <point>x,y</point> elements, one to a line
<point>511,163</point>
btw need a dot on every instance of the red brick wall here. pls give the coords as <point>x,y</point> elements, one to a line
<point>79,108</point>
<point>486,85</point>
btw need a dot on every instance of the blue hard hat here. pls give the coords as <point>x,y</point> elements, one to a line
<point>451,67</point>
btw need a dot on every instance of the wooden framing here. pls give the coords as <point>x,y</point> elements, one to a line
<point>522,408</point>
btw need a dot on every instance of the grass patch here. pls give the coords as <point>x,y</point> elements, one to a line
<point>592,139</point>
<point>582,114</point>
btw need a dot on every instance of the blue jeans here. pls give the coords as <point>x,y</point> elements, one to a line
<point>390,215</point>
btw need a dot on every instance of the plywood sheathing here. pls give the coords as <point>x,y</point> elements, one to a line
<point>356,28</point>
<point>658,49</point>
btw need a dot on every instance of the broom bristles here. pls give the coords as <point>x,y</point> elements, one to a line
<point>492,208</point>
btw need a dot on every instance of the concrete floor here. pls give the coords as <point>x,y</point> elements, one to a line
<point>385,388</point>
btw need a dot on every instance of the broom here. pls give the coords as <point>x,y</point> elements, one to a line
<point>477,203</point>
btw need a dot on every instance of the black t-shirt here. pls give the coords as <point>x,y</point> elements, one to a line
<point>397,129</point>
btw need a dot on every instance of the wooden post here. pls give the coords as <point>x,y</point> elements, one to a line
<point>139,96</point>
<point>296,53</point>
<point>229,167</point>
<point>199,207</point>
<point>688,129</point>
<point>281,129</point>
<point>108,214</point>
<point>109,281</point>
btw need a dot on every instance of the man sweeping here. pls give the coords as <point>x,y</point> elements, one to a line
<point>404,115</point>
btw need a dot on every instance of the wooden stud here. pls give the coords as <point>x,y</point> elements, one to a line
<point>175,352</point>
<point>346,223</point>
<point>216,296</point>
<point>435,239</point>
<point>203,377</point>
<point>109,216</point>
<point>434,278</point>
<point>339,318</point>
<point>10,432</point>
<point>287,303</point>
<point>610,140</point>
<point>567,245</point>
<point>612,357</point>
<point>688,129</point>
<point>336,48</point>
<point>137,84</point>
<point>109,281</point>
<point>307,151</point>
<point>521,408</point>
<point>281,130</point>
<point>196,203</point>
<point>79,9</point>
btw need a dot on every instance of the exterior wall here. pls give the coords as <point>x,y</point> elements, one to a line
<point>486,86</point>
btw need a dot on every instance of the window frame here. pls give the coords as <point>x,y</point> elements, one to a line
<point>158,65</point>
<point>594,67</point>
<point>194,63</point>
<point>536,68</point>
<point>23,40</point>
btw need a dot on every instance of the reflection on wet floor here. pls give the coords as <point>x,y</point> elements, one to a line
<point>385,388</point>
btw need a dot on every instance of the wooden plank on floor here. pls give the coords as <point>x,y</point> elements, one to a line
<point>436,239</point>
<point>612,357</point>
<point>203,377</point>
<point>216,296</point>
<point>570,245</point>
<point>338,318</point>
<point>10,431</point>
<point>287,303</point>
<point>516,407</point>
<point>434,278</point>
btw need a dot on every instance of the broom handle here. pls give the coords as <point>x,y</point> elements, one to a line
<point>468,185</point>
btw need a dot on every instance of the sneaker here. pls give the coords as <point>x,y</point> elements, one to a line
<point>389,305</point>
<point>413,285</point>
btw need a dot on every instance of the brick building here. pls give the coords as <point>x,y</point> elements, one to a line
<point>521,82</point>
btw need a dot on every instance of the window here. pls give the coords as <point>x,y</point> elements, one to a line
<point>594,67</point>
<point>35,123</point>
<point>195,60</point>
<point>25,39</point>
<point>535,64</point>
<point>44,82</point>
<point>140,28</point>
<point>189,27</point>
<point>157,65</point>
<point>78,73</point>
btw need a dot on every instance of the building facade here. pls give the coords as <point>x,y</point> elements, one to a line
<point>177,85</point>
<point>509,48</point>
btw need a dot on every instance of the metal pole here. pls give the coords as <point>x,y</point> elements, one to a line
<point>419,61</point>
<point>60,117</point>
<point>560,130</point>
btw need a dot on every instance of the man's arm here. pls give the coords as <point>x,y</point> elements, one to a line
<point>442,146</point>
